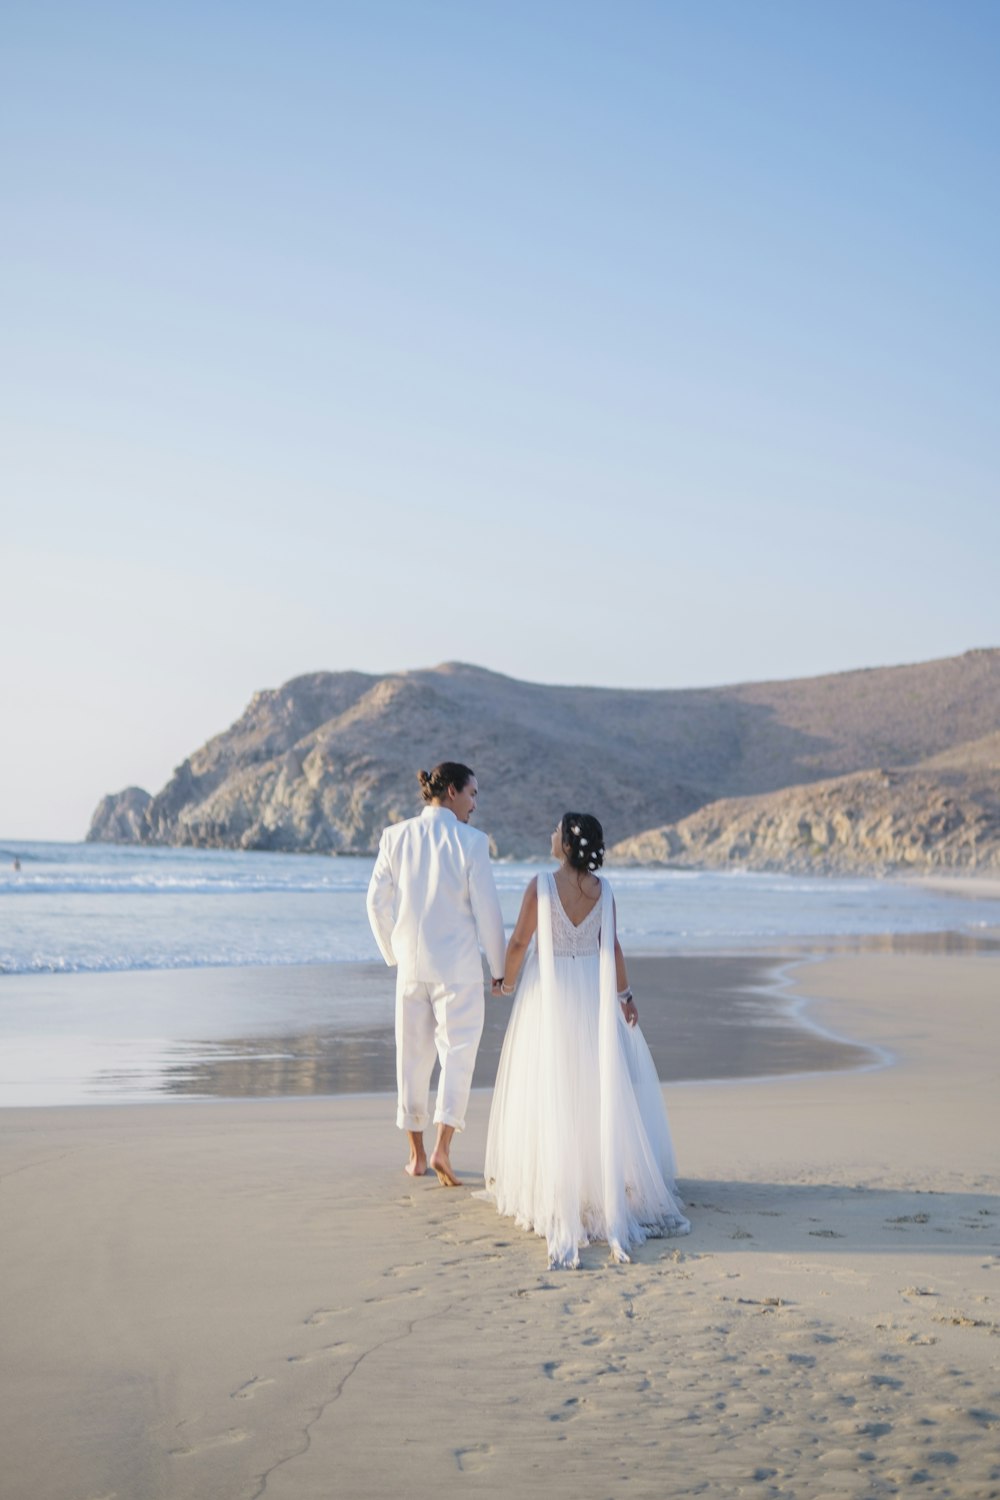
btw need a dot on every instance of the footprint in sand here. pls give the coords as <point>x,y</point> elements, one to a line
<point>249,1389</point>
<point>323,1315</point>
<point>221,1440</point>
<point>959,1320</point>
<point>410,1291</point>
<point>327,1352</point>
<point>594,1339</point>
<point>569,1409</point>
<point>473,1460</point>
<point>874,1429</point>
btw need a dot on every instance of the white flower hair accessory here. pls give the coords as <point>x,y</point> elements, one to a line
<point>583,843</point>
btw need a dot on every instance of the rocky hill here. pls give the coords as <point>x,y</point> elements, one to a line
<point>925,818</point>
<point>324,762</point>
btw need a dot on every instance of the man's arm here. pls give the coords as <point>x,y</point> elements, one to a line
<point>381,902</point>
<point>486,908</point>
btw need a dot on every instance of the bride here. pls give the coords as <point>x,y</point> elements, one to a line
<point>578,1147</point>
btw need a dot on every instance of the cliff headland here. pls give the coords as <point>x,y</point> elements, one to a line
<point>876,770</point>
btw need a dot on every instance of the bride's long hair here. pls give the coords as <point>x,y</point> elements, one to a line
<point>583,839</point>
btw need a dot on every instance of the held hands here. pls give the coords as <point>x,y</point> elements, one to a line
<point>628,1005</point>
<point>496,987</point>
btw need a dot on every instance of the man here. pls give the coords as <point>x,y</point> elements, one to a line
<point>432,905</point>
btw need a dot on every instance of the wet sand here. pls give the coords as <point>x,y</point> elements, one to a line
<point>314,1030</point>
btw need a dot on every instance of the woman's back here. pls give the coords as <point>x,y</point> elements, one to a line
<point>574,936</point>
<point>579,893</point>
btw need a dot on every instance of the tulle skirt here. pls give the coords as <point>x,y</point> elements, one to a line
<point>545,1165</point>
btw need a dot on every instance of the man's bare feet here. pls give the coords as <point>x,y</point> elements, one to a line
<point>440,1160</point>
<point>442,1166</point>
<point>417,1164</point>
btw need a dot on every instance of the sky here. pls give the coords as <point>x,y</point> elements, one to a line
<point>642,344</point>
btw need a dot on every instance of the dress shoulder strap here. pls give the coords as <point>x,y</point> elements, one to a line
<point>543,937</point>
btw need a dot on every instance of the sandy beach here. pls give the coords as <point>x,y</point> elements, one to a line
<point>239,1298</point>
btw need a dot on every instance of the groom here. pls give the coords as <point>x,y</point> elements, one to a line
<point>432,904</point>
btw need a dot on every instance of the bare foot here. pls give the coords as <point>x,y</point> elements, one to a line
<point>442,1166</point>
<point>416,1166</point>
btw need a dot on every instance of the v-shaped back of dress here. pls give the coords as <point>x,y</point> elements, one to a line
<point>569,941</point>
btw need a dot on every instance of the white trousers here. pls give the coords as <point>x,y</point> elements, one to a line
<point>443,1021</point>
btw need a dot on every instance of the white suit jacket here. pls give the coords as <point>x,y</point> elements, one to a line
<point>432,902</point>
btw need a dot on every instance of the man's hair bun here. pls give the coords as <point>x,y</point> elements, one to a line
<point>434,784</point>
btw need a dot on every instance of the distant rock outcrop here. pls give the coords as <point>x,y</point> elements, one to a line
<point>943,815</point>
<point>326,761</point>
<point>121,818</point>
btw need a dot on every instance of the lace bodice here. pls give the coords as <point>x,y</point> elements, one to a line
<point>573,942</point>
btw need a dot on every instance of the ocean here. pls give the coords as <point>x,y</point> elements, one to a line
<point>98,908</point>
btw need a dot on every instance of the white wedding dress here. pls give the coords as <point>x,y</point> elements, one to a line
<point>579,1147</point>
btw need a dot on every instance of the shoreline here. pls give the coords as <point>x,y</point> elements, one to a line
<point>180,1036</point>
<point>785,998</point>
<point>288,1031</point>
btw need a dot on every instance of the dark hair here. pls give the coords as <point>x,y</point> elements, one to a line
<point>449,773</point>
<point>583,836</point>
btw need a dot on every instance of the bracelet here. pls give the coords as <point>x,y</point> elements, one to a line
<point>625,995</point>
<point>506,989</point>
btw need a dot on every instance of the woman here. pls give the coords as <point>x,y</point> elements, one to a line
<point>578,1146</point>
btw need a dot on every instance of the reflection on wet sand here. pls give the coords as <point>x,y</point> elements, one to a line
<point>713,1016</point>
<point>319,1062</point>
